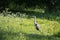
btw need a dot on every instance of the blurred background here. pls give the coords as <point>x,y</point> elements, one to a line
<point>17,21</point>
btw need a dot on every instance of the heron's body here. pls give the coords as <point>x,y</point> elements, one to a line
<point>36,26</point>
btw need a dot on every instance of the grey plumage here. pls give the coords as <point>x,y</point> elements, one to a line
<point>37,27</point>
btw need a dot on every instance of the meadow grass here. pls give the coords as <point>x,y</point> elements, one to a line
<point>13,27</point>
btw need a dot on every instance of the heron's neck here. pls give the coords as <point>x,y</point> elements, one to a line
<point>34,19</point>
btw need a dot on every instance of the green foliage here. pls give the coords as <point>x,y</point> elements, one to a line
<point>48,5</point>
<point>12,5</point>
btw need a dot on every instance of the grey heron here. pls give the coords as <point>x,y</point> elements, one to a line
<point>35,24</point>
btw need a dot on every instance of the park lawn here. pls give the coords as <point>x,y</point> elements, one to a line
<point>22,28</point>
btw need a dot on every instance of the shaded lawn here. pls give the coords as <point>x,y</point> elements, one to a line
<point>23,36</point>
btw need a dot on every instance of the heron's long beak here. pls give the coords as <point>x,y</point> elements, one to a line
<point>34,16</point>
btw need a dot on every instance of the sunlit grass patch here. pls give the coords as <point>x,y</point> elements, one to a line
<point>36,10</point>
<point>27,25</point>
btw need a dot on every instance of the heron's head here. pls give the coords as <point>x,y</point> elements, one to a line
<point>34,16</point>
